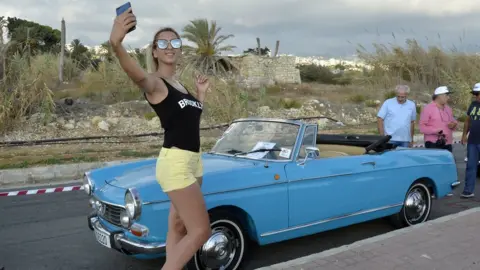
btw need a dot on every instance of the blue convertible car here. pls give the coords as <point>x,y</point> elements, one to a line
<point>270,180</point>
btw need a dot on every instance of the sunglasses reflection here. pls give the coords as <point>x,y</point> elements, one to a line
<point>175,43</point>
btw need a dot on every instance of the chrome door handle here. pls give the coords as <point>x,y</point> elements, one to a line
<point>369,163</point>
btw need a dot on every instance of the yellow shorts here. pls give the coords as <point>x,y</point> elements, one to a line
<point>177,168</point>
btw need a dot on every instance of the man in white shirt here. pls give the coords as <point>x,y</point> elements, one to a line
<point>397,118</point>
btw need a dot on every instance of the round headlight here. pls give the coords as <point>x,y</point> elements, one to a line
<point>133,205</point>
<point>129,205</point>
<point>87,184</point>
<point>125,220</point>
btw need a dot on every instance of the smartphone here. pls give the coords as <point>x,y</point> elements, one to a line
<point>121,9</point>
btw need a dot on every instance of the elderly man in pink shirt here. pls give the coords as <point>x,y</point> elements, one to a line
<point>437,122</point>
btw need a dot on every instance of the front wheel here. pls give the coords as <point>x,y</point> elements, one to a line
<point>416,206</point>
<point>226,247</point>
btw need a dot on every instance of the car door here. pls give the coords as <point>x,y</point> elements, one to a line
<point>324,188</point>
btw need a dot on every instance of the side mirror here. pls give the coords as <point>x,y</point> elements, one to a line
<point>311,153</point>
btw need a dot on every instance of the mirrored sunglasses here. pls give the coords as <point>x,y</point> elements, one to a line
<point>163,43</point>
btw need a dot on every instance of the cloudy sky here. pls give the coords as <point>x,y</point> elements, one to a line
<point>304,27</point>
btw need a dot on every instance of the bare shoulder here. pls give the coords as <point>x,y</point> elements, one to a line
<point>155,89</point>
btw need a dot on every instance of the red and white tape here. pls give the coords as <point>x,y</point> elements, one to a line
<point>40,191</point>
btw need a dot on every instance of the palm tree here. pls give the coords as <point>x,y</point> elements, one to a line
<point>80,53</point>
<point>106,51</point>
<point>206,56</point>
<point>75,44</point>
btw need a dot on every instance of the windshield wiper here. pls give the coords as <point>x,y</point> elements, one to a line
<point>259,150</point>
<point>228,151</point>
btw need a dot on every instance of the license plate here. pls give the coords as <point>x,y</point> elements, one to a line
<point>103,238</point>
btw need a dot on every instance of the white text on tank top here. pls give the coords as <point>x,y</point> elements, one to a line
<point>187,102</point>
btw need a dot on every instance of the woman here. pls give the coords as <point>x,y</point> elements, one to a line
<point>179,167</point>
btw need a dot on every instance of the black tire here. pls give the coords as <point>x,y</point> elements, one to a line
<point>418,201</point>
<point>224,226</point>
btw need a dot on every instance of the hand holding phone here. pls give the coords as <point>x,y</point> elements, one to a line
<point>124,8</point>
<point>125,23</point>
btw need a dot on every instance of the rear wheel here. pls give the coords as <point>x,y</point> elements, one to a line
<point>416,206</point>
<point>226,247</point>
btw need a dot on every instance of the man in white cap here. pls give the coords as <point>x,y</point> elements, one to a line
<point>471,137</point>
<point>437,122</point>
<point>397,118</point>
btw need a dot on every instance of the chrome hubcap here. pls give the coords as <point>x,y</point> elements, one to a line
<point>219,250</point>
<point>415,205</point>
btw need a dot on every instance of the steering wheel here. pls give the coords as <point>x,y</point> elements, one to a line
<point>376,144</point>
<point>272,155</point>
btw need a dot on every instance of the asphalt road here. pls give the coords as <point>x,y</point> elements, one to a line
<point>49,231</point>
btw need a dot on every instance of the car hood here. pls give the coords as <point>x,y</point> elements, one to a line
<point>219,174</point>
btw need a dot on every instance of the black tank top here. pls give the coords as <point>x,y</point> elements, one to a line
<point>179,115</point>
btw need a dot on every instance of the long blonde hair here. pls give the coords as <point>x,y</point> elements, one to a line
<point>152,62</point>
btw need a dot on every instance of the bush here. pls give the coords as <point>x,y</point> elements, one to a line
<point>321,74</point>
<point>150,115</point>
<point>110,84</point>
<point>390,94</point>
<point>371,103</point>
<point>26,88</point>
<point>358,98</point>
<point>289,103</point>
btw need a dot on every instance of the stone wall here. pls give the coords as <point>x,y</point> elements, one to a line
<point>256,71</point>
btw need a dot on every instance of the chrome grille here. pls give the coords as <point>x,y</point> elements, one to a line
<point>111,214</point>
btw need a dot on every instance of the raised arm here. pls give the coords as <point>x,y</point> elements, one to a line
<point>148,83</point>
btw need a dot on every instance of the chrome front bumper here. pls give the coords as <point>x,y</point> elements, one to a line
<point>121,243</point>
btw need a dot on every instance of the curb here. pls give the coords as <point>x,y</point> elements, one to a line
<point>40,191</point>
<point>334,251</point>
<point>48,174</point>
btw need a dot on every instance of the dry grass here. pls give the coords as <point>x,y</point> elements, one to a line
<point>28,87</point>
<point>28,156</point>
<point>34,87</point>
<point>422,69</point>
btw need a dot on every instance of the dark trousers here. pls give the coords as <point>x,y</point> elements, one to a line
<point>433,145</point>
<point>473,154</point>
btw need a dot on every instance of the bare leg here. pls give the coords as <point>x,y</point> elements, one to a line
<point>190,206</point>
<point>176,228</point>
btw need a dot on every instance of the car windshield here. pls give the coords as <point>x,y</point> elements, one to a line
<point>246,136</point>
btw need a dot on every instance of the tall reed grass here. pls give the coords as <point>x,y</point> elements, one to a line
<point>423,69</point>
<point>27,88</point>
